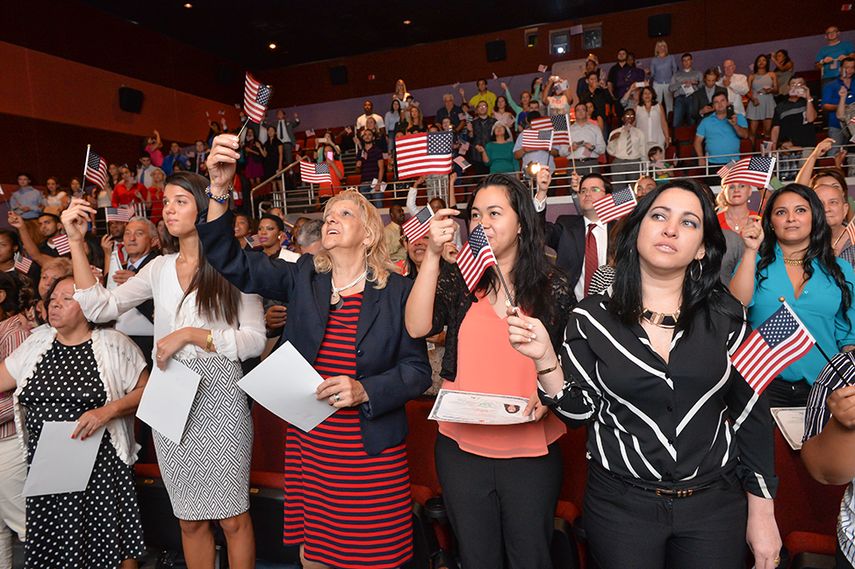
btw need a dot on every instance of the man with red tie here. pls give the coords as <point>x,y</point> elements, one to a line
<point>580,240</point>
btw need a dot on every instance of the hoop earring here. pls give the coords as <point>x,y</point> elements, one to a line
<point>700,267</point>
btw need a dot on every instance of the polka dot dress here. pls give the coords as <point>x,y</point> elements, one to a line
<point>99,527</point>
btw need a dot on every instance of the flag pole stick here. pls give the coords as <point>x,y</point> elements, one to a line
<point>243,128</point>
<point>85,164</point>
<point>822,352</point>
<point>504,284</point>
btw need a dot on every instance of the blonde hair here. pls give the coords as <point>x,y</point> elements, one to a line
<point>376,255</point>
<point>662,43</point>
<point>722,200</point>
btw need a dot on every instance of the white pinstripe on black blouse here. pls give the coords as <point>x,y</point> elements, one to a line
<point>680,423</point>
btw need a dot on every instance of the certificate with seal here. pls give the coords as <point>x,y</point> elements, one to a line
<point>479,408</point>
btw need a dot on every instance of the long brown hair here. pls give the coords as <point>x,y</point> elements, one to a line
<point>216,298</point>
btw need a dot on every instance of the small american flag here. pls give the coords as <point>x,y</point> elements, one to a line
<point>753,171</point>
<point>253,241</point>
<point>615,205</point>
<point>22,263</point>
<point>560,128</point>
<point>475,257</point>
<point>850,231</point>
<point>537,139</point>
<point>418,226</point>
<point>424,153</point>
<point>779,341</point>
<point>120,214</point>
<point>256,96</point>
<point>96,170</point>
<point>60,243</point>
<point>315,173</point>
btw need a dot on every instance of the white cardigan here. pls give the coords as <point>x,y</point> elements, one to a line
<point>120,363</point>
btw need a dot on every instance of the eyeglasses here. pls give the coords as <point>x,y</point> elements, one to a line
<point>593,190</point>
<point>831,32</point>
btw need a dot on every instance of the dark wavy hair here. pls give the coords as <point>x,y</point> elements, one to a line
<point>532,272</point>
<point>653,100</point>
<point>19,293</point>
<point>216,298</point>
<point>705,293</point>
<point>819,245</point>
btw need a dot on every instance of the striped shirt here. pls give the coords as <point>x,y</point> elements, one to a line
<point>816,417</point>
<point>13,332</point>
<point>681,423</point>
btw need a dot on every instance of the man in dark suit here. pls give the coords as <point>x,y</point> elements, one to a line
<point>285,135</point>
<point>702,98</point>
<point>580,240</point>
<point>139,247</point>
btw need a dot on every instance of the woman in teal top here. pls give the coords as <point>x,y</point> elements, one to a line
<point>499,152</point>
<point>789,256</point>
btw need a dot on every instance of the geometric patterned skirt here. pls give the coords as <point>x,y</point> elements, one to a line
<point>207,475</point>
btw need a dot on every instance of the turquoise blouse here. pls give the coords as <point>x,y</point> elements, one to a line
<point>818,307</point>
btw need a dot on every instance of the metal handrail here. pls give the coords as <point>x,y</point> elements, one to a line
<point>787,162</point>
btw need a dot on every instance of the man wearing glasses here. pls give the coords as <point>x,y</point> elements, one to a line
<point>832,54</point>
<point>580,241</point>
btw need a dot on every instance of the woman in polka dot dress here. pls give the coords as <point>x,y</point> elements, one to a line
<point>70,372</point>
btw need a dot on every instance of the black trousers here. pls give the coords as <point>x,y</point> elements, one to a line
<point>627,527</point>
<point>500,508</point>
<point>782,393</point>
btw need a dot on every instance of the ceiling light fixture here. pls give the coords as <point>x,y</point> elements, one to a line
<point>188,5</point>
<point>407,22</point>
<point>271,45</point>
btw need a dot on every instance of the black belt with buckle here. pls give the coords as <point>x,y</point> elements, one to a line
<point>671,492</point>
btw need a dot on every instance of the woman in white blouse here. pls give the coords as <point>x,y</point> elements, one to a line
<point>209,326</point>
<point>651,118</point>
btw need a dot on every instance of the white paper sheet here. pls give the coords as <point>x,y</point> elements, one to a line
<point>133,323</point>
<point>285,384</point>
<point>167,399</point>
<point>791,421</point>
<point>62,464</point>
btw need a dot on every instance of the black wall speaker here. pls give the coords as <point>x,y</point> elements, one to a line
<point>338,75</point>
<point>130,100</point>
<point>659,25</point>
<point>496,50</point>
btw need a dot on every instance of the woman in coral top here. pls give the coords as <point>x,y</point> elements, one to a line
<point>499,508</point>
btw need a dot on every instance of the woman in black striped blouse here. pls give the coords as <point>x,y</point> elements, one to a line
<point>682,469</point>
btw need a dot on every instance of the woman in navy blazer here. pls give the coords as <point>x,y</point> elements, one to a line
<point>346,317</point>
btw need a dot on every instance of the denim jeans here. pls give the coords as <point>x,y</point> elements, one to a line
<point>376,198</point>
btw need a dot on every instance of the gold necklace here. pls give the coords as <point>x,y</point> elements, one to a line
<point>661,319</point>
<point>794,262</point>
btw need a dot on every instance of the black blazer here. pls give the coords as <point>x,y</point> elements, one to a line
<point>392,367</point>
<point>567,237</point>
<point>699,98</point>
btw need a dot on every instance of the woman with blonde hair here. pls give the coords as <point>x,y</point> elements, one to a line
<point>346,318</point>
<point>662,68</point>
<point>732,205</point>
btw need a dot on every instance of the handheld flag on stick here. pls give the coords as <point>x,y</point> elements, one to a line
<point>95,168</point>
<point>616,205</point>
<point>534,139</point>
<point>60,243</point>
<point>475,258</point>
<point>22,263</point>
<point>315,173</point>
<point>754,171</point>
<point>256,97</point>
<point>120,214</point>
<point>418,226</point>
<point>424,153</point>
<point>779,341</point>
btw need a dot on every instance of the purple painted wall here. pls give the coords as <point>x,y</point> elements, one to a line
<point>802,51</point>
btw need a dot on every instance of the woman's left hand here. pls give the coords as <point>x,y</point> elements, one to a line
<point>528,335</point>
<point>169,345</point>
<point>91,421</point>
<point>342,391</point>
<point>763,536</point>
<point>535,408</point>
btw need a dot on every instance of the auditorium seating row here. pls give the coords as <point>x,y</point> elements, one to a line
<point>806,511</point>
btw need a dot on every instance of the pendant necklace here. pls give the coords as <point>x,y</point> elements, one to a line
<point>336,301</point>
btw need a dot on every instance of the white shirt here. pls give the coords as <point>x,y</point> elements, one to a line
<point>737,88</point>
<point>590,134</point>
<point>158,280</point>
<point>618,144</point>
<point>414,210</point>
<point>602,235</point>
<point>650,124</point>
<point>362,119</point>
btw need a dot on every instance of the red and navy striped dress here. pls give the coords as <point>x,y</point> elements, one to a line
<point>347,508</point>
